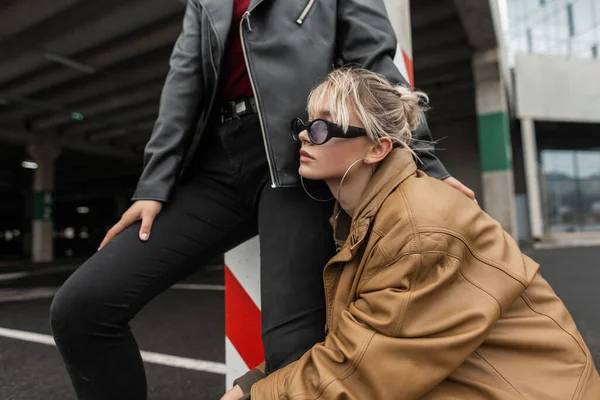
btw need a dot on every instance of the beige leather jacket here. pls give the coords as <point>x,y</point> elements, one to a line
<point>428,298</point>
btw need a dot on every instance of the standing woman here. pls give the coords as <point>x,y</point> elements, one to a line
<point>427,296</point>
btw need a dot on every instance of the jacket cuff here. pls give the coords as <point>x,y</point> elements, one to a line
<point>150,193</point>
<point>248,379</point>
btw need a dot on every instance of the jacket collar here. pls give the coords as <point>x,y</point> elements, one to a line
<point>254,3</point>
<point>393,170</point>
<point>220,13</point>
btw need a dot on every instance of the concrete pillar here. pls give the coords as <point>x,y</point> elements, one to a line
<point>42,230</point>
<point>399,14</point>
<point>530,160</point>
<point>494,140</point>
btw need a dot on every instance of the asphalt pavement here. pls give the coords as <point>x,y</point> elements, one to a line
<point>187,322</point>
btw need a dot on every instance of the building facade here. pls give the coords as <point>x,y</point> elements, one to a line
<point>552,48</point>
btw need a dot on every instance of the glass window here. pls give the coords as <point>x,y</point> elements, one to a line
<point>588,164</point>
<point>560,47</point>
<point>588,171</point>
<point>559,27</point>
<point>558,163</point>
<point>582,16</point>
<point>571,190</point>
<point>560,191</point>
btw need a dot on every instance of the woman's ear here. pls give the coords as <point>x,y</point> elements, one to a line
<point>379,151</point>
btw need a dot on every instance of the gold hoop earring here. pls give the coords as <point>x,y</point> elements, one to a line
<point>335,219</point>
<point>344,177</point>
<point>372,167</point>
<point>310,195</point>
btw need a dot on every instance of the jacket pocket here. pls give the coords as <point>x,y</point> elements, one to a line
<point>305,11</point>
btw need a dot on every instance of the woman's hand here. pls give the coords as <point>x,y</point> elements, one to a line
<point>146,210</point>
<point>233,394</point>
<point>456,184</point>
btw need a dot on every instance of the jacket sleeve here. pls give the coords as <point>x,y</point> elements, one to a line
<point>397,341</point>
<point>250,378</point>
<point>366,37</point>
<point>181,98</point>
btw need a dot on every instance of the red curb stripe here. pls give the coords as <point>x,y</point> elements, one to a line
<point>409,67</point>
<point>242,321</point>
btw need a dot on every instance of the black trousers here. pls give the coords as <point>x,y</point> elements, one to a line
<point>226,200</point>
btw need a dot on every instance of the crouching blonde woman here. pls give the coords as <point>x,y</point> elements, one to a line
<point>427,297</point>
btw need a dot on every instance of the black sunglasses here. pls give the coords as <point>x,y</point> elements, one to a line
<point>321,131</point>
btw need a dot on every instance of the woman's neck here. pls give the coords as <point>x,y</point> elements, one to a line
<point>352,188</point>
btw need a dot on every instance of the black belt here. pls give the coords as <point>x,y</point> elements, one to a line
<point>238,108</point>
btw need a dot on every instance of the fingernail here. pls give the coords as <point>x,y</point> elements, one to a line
<point>99,248</point>
<point>144,236</point>
<point>475,200</point>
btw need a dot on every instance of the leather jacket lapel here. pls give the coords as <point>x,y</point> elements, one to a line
<point>220,13</point>
<point>253,3</point>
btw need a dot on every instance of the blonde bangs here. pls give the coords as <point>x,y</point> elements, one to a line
<point>331,98</point>
<point>315,100</point>
<point>385,110</point>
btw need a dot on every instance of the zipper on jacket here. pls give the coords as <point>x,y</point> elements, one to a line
<point>304,13</point>
<point>246,17</point>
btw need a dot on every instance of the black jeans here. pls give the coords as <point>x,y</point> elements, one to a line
<point>227,199</point>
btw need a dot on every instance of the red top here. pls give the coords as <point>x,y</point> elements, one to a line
<point>235,82</point>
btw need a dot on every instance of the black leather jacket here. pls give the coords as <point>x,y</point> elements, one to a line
<point>289,46</point>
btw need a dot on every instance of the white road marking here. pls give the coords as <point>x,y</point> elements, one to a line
<point>27,336</point>
<point>216,267</point>
<point>9,276</point>
<point>149,357</point>
<point>36,293</point>
<point>184,362</point>
<point>13,275</point>
<point>194,286</point>
<point>13,295</point>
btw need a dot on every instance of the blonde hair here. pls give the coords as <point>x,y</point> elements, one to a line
<point>385,110</point>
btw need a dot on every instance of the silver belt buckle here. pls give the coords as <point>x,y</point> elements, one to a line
<point>240,107</point>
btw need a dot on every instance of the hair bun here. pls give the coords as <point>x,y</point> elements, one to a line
<point>414,103</point>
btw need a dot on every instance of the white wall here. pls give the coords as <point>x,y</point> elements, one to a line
<point>555,88</point>
<point>399,14</point>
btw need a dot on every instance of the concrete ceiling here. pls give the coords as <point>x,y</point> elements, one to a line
<point>446,34</point>
<point>107,60</point>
